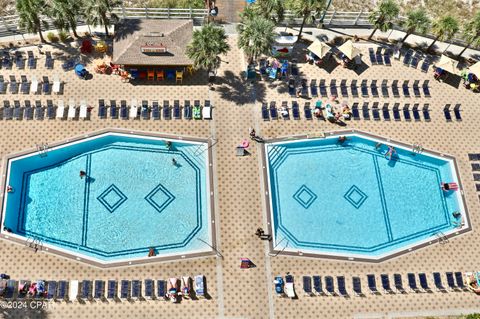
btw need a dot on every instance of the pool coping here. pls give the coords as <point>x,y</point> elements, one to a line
<point>130,262</point>
<point>411,248</point>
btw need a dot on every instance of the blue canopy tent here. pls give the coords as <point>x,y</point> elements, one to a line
<point>80,71</point>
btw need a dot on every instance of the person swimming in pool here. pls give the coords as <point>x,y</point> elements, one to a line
<point>391,151</point>
<point>83,174</point>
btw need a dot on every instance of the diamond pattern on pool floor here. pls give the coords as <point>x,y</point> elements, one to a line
<point>304,196</point>
<point>355,196</point>
<point>159,198</point>
<point>112,198</point>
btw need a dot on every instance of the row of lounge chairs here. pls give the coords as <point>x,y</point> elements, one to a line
<point>475,157</point>
<point>40,111</point>
<point>379,58</point>
<point>326,286</point>
<point>366,90</point>
<point>154,111</point>
<point>19,59</point>
<point>413,58</point>
<point>33,86</point>
<point>456,112</point>
<point>111,290</point>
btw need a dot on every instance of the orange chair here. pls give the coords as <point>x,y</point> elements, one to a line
<point>150,75</point>
<point>179,76</point>
<point>160,75</point>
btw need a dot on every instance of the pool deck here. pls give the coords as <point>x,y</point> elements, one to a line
<point>240,207</point>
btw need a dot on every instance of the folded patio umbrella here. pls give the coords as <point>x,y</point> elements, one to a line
<point>447,64</point>
<point>319,48</point>
<point>475,69</point>
<point>349,49</point>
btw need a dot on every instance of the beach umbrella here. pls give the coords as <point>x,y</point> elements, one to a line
<point>475,69</point>
<point>319,48</point>
<point>447,64</point>
<point>349,49</point>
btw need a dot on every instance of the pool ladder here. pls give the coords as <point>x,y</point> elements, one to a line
<point>442,239</point>
<point>42,149</point>
<point>34,243</point>
<point>200,149</point>
<point>417,148</point>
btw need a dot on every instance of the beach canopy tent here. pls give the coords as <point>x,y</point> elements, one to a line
<point>447,64</point>
<point>349,50</point>
<point>320,49</point>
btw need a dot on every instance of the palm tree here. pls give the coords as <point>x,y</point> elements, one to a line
<point>309,10</point>
<point>417,21</point>
<point>382,17</point>
<point>64,14</point>
<point>207,44</point>
<point>444,29</point>
<point>256,36</point>
<point>30,16</point>
<point>270,9</point>
<point>99,12</point>
<point>471,32</point>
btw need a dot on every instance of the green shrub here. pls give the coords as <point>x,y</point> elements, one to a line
<point>473,316</point>
<point>63,35</point>
<point>52,37</point>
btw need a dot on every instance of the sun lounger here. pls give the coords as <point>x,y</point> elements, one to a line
<point>412,283</point>
<point>124,290</point>
<point>3,85</point>
<point>48,60</point>
<point>68,65</point>
<point>136,289</point>
<point>329,285</point>
<point>385,112</point>
<point>17,110</point>
<point>386,284</point>
<point>133,109</point>
<point>364,88</point>
<point>396,111</point>
<point>62,290</point>
<point>456,112</point>
<point>207,110</point>
<point>176,109</point>
<point>123,110</point>
<point>52,287</point>
<point>307,111</point>
<point>333,88</point>
<point>323,88</point>
<point>355,112</point>
<point>24,85</point>
<point>34,85</point>
<point>273,110</point>
<point>397,279</point>
<point>375,111</point>
<point>187,110</point>
<point>474,157</point>
<point>83,110</point>
<point>60,109</point>
<point>32,62</point>
<point>99,293</point>
<point>446,112</point>
<point>28,111</point>
<point>426,90</point>
<point>372,284</point>
<point>437,279</point>
<point>408,57</point>
<point>341,286</point>
<point>354,88</point>
<point>373,88</point>
<point>289,286</point>
<point>22,290</point>
<point>291,87</point>
<point>475,167</point>
<point>197,110</point>
<point>294,67</point>
<point>313,88</point>
<point>72,110</point>
<point>145,111</point>
<point>166,110</point>
<point>406,112</point>
<point>460,283</point>
<point>371,55</point>
<point>343,88</point>
<point>265,115</point>
<point>148,291</point>
<point>87,290</point>
<point>50,110</point>
<point>112,290</point>
<point>19,60</point>
<point>263,66</point>
<point>386,57</point>
<point>424,282</point>
<point>10,290</point>
<point>279,286</point>
<point>13,84</point>
<point>416,88</point>
<point>415,59</point>
<point>365,111</point>
<point>357,286</point>
<point>451,281</point>
<point>73,291</point>
<point>7,61</point>
<point>102,109</point>
<point>161,289</point>
<point>7,110</point>
<point>405,89</point>
<point>384,88</point>
<point>45,85</point>
<point>57,84</point>
<point>416,113</point>
<point>395,90</point>
<point>39,112</point>
<point>295,110</point>
<point>317,285</point>
<point>307,286</point>
<point>113,109</point>
<point>379,56</point>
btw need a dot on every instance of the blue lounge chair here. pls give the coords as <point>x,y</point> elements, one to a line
<point>145,112</point>
<point>424,282</point>
<point>357,286</point>
<point>330,286</point>
<point>372,284</point>
<point>102,110</point>
<point>155,110</point>
<point>166,110</point>
<point>384,88</point>
<point>354,88</point>
<point>24,85</point>
<point>451,281</point>
<point>6,61</point>
<point>136,289</point>
<point>341,286</point>
<point>99,290</point>
<point>446,112</point>
<point>460,283</point>
<point>28,111</point>
<point>32,62</point>
<point>3,85</point>
<point>69,65</point>
<point>113,109</point>
<point>415,59</point>
<point>294,67</point>
<point>263,66</point>
<point>10,289</point>
<point>285,115</point>
<point>187,110</point>
<point>149,289</point>
<point>397,279</point>
<point>408,57</point>
<point>48,60</point>
<point>17,110</point>
<point>86,290</point>
<point>456,112</point>
<point>13,84</point>
<point>412,283</point>
<point>333,88</point>
<point>313,88</point>
<point>50,110</point>
<point>365,111</point>
<point>291,87</point>
<point>396,111</point>
<point>405,89</point>
<point>273,110</point>
<point>161,289</point>
<point>379,56</point>
<point>323,88</point>
<point>304,88</point>
<point>19,60</point>
<point>386,284</point>
<point>343,88</point>
<point>437,279</point>
<point>373,88</point>
<point>265,114</point>
<point>406,112</point>
<point>7,113</point>
<point>52,287</point>
<point>112,290</point>
<point>295,110</point>
<point>307,286</point>
<point>123,110</point>
<point>279,286</point>
<point>39,114</point>
<point>371,55</point>
<point>395,90</point>
<point>307,111</point>
<point>416,113</point>
<point>386,112</point>
<point>355,112</point>
<point>317,285</point>
<point>45,85</point>
<point>62,290</point>
<point>426,90</point>
<point>386,57</point>
<point>364,88</point>
<point>416,88</point>
<point>125,289</point>
<point>176,109</point>
<point>375,111</point>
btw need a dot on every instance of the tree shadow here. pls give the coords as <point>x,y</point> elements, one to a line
<point>126,28</point>
<point>234,88</point>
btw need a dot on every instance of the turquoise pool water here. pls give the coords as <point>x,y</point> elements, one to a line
<point>134,197</point>
<point>349,199</point>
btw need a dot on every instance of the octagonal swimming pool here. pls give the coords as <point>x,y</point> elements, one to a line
<point>350,199</point>
<point>138,194</point>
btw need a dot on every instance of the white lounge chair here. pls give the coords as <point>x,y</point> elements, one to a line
<point>60,109</point>
<point>133,109</point>
<point>34,85</point>
<point>72,112</point>
<point>73,291</point>
<point>56,85</point>
<point>289,288</point>
<point>83,110</point>
<point>207,112</point>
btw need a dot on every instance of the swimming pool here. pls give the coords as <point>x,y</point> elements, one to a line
<point>137,194</point>
<point>349,200</point>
